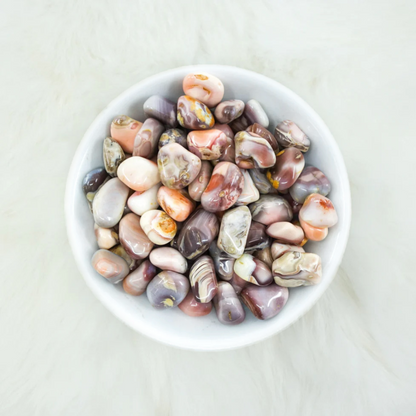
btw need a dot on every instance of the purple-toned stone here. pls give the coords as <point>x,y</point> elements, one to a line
<point>203,279</point>
<point>310,181</point>
<point>257,129</point>
<point>193,114</point>
<point>224,264</point>
<point>162,109</point>
<point>229,110</point>
<point>257,238</point>
<point>198,232</point>
<point>92,181</point>
<point>224,188</point>
<point>200,183</point>
<point>253,270</point>
<point>265,302</point>
<point>193,308</point>
<point>253,151</point>
<point>227,305</point>
<point>109,203</point>
<point>255,113</point>
<point>265,256</point>
<point>147,139</point>
<point>288,134</point>
<point>136,282</point>
<point>289,165</point>
<point>271,208</point>
<point>262,183</point>
<point>167,290</point>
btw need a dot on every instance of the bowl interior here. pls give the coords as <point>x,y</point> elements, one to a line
<point>174,327</point>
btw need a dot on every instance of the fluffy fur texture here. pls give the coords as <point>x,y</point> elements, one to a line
<point>62,352</point>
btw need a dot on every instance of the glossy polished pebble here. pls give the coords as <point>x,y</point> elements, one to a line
<point>173,136</point>
<point>113,155</point>
<point>229,151</point>
<point>278,249</point>
<point>133,238</point>
<point>257,238</point>
<point>167,258</point>
<point>109,202</point>
<point>106,237</point>
<point>265,302</point>
<point>271,208</point>
<point>261,182</point>
<point>161,109</point>
<point>138,173</point>
<point>253,151</point>
<point>227,305</point>
<point>204,87</point>
<point>318,211</point>
<point>198,232</point>
<point>286,232</point>
<point>288,134</point>
<point>177,205</point>
<point>310,181</point>
<point>92,181</point>
<point>191,307</point>
<point>193,114</point>
<point>250,192</point>
<point>141,202</point>
<point>313,233</point>
<point>200,183</point>
<point>255,113</point>
<point>136,282</point>
<point>224,188</point>
<point>229,110</point>
<point>167,290</point>
<point>203,279</point>
<point>147,139</point>
<point>110,266</point>
<point>265,255</point>
<point>295,205</point>
<point>235,225</point>
<point>207,144</point>
<point>224,264</point>
<point>124,130</point>
<point>295,269</point>
<point>257,129</point>
<point>177,166</point>
<point>158,226</point>
<point>288,167</point>
<point>225,128</point>
<point>132,263</point>
<point>253,270</point>
<point>239,124</point>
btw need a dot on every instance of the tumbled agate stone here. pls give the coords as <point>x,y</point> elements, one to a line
<point>204,87</point>
<point>295,269</point>
<point>224,188</point>
<point>178,167</point>
<point>167,290</point>
<point>235,225</point>
<point>203,279</point>
<point>198,232</point>
<point>227,305</point>
<point>265,302</point>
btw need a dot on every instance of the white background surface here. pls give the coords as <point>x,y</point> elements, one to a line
<point>62,352</point>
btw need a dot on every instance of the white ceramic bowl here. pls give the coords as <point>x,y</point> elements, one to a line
<point>173,327</point>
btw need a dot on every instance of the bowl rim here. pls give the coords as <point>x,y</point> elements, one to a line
<point>71,187</point>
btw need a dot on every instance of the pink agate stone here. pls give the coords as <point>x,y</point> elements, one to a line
<point>204,87</point>
<point>124,130</point>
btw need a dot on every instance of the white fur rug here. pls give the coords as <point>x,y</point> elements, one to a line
<point>62,352</point>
